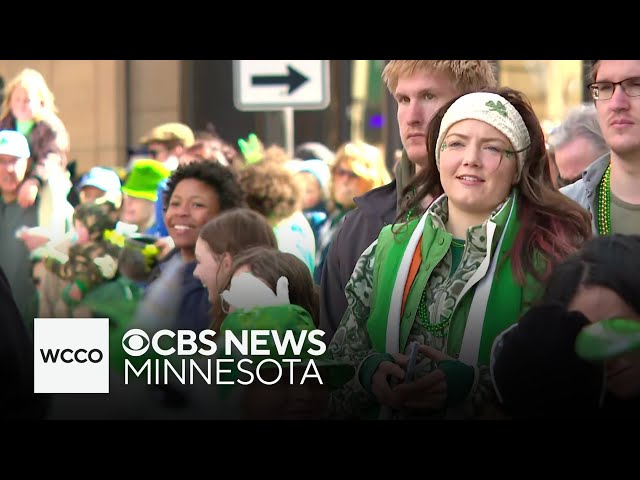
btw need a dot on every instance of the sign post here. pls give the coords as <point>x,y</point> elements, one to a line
<point>286,85</point>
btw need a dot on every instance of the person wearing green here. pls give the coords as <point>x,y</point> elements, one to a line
<point>140,193</point>
<point>453,277</point>
<point>608,188</point>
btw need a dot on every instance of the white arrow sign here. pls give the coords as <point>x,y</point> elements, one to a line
<point>277,84</point>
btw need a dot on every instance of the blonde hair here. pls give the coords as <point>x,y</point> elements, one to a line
<point>467,75</point>
<point>365,158</point>
<point>33,82</point>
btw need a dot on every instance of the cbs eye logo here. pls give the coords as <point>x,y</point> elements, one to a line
<point>135,342</point>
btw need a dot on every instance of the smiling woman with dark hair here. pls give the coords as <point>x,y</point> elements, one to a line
<point>196,193</point>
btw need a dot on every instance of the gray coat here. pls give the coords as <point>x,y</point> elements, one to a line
<point>585,190</point>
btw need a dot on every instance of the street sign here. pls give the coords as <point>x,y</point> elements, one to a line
<point>260,85</point>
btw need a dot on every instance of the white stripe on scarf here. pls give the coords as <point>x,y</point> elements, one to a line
<point>471,339</point>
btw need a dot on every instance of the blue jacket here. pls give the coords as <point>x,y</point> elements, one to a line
<point>195,306</point>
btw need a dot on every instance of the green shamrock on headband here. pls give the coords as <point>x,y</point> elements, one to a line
<point>251,149</point>
<point>497,107</point>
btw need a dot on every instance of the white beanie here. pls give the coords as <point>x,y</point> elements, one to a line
<point>494,110</point>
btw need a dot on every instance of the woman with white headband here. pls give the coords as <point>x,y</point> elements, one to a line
<point>451,278</point>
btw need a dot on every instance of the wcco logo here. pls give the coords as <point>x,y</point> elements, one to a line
<point>71,355</point>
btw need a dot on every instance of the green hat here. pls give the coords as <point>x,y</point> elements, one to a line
<point>608,339</point>
<point>144,178</point>
<point>283,318</point>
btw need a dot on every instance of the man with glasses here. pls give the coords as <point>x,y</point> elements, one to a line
<point>577,143</point>
<point>610,188</point>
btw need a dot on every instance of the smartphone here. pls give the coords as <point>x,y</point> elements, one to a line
<point>410,371</point>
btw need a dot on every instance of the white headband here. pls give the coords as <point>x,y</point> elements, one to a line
<point>493,110</point>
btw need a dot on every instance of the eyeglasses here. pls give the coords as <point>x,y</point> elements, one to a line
<point>490,155</point>
<point>605,90</point>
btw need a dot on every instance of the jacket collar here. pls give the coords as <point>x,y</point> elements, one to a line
<point>594,173</point>
<point>438,212</point>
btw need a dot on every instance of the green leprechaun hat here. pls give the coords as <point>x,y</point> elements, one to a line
<point>144,178</point>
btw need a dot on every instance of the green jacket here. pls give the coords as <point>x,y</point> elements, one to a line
<point>363,337</point>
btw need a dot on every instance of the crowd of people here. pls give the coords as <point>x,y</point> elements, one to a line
<point>455,286</point>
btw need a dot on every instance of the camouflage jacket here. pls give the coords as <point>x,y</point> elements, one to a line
<point>88,265</point>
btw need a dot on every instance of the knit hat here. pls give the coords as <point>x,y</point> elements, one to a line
<point>317,168</point>
<point>14,144</point>
<point>283,319</point>
<point>494,110</point>
<point>536,371</point>
<point>169,132</point>
<point>144,178</point>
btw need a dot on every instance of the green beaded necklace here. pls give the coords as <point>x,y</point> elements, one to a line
<point>436,329</point>
<point>604,203</point>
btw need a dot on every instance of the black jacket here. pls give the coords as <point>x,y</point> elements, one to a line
<point>17,400</point>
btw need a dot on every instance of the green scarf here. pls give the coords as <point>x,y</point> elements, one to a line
<point>506,298</point>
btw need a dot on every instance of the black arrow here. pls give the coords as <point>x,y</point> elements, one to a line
<point>294,79</point>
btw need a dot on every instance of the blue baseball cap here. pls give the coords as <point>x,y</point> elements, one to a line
<point>103,178</point>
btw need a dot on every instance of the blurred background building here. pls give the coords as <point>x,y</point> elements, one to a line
<point>108,104</point>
